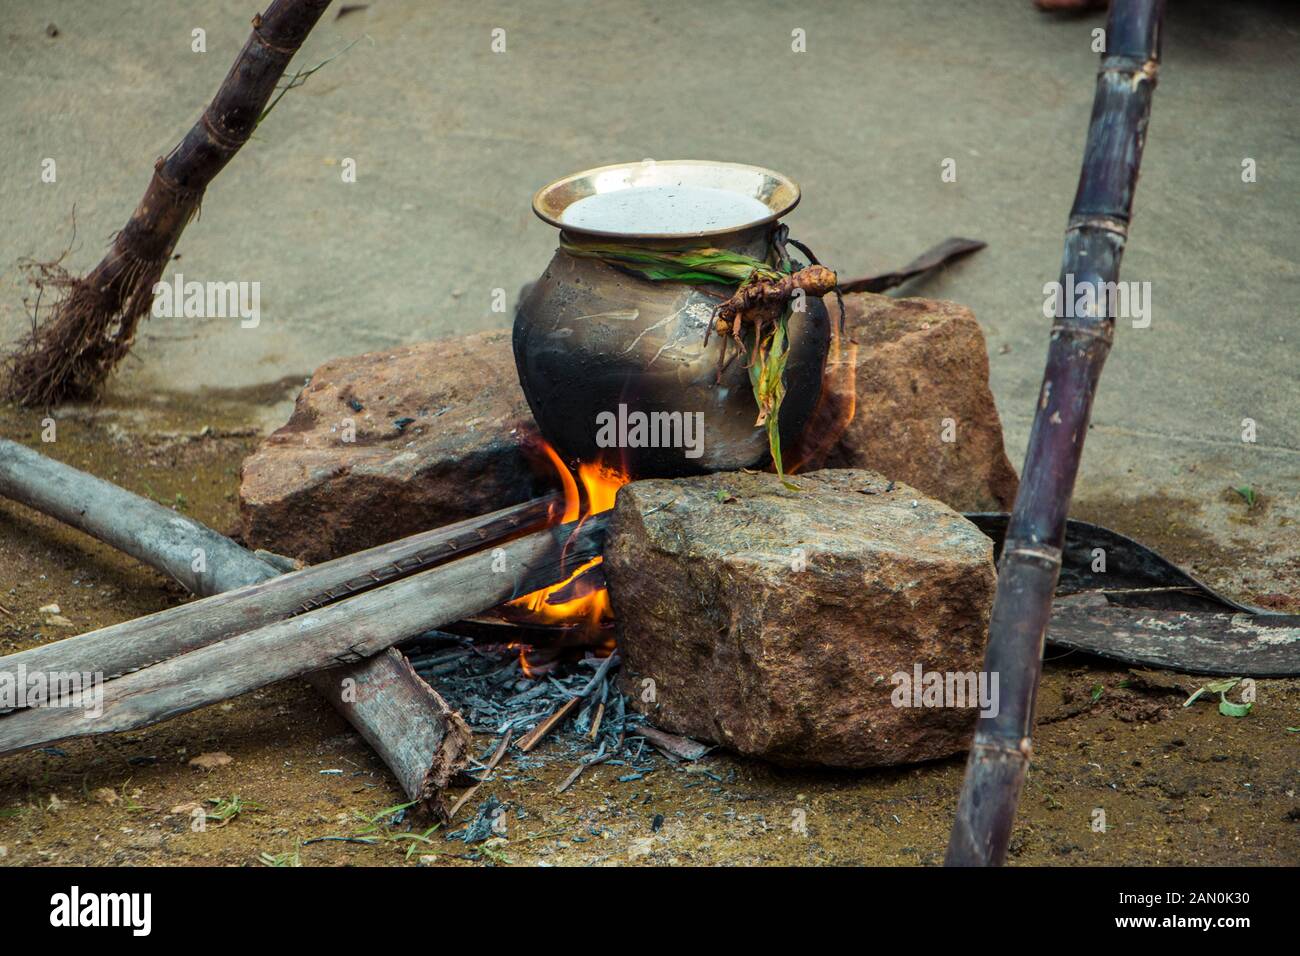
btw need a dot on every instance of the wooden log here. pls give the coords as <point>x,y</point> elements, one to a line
<point>1032,551</point>
<point>422,741</point>
<point>350,630</point>
<point>413,730</point>
<point>163,539</point>
<point>252,592</point>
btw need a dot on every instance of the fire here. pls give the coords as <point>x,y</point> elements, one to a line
<point>592,492</point>
<point>581,600</point>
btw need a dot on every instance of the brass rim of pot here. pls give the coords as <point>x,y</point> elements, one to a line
<point>779,193</point>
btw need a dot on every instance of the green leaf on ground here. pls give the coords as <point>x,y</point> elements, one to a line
<point>1213,687</point>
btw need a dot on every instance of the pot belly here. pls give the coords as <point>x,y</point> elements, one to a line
<point>597,348</point>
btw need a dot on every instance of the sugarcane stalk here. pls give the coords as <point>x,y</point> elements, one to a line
<point>1031,555</point>
<point>93,325</point>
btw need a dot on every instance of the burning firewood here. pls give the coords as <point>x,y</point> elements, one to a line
<point>350,630</point>
<point>409,726</point>
<point>244,592</point>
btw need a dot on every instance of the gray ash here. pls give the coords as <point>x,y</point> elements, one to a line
<point>487,685</point>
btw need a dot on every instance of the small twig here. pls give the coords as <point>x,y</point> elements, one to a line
<point>582,766</point>
<point>682,748</point>
<point>538,733</point>
<point>535,736</point>
<point>487,772</point>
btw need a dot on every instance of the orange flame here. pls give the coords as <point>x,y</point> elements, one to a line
<point>599,486</point>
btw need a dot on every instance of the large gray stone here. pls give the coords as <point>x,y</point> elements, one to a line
<point>772,621</point>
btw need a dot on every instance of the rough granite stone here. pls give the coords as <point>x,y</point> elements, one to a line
<point>440,430</point>
<point>918,362</point>
<point>772,621</point>
<point>307,493</point>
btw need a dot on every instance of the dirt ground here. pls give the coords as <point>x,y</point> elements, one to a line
<point>1176,785</point>
<point>450,140</point>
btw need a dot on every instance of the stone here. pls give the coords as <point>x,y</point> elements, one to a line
<point>920,375</point>
<point>773,622</point>
<point>440,432</point>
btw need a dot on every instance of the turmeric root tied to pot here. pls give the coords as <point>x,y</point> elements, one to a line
<point>762,298</point>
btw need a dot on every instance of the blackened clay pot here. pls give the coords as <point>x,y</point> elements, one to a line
<point>595,345</point>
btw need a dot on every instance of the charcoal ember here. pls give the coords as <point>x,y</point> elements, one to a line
<point>389,443</point>
<point>773,621</point>
<point>918,390</point>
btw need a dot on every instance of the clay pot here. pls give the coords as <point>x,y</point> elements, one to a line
<point>590,337</point>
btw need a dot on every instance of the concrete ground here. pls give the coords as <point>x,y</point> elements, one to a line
<point>451,139</point>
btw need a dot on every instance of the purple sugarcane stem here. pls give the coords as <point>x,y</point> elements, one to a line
<point>1031,555</point>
